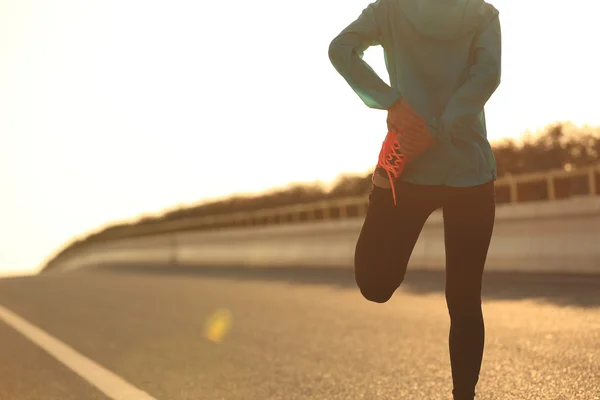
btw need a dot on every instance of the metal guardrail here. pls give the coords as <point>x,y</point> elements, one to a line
<point>539,237</point>
<point>552,185</point>
<point>511,189</point>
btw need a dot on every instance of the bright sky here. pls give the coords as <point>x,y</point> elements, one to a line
<point>112,108</point>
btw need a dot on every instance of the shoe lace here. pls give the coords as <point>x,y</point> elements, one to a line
<point>391,160</point>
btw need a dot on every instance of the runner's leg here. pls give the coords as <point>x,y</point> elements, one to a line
<point>469,215</point>
<point>388,236</point>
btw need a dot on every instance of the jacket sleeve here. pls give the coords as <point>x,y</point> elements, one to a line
<point>484,78</point>
<point>346,54</point>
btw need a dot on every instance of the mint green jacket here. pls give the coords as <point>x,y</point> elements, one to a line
<point>444,58</point>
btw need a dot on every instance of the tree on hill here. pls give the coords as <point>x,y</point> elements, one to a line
<point>556,147</point>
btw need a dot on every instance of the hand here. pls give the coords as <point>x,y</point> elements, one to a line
<point>415,143</point>
<point>413,135</point>
<point>402,118</point>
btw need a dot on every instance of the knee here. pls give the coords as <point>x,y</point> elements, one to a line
<point>376,278</point>
<point>376,295</point>
<point>379,292</point>
<point>463,303</point>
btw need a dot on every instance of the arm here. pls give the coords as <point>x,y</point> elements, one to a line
<point>483,80</point>
<point>346,53</point>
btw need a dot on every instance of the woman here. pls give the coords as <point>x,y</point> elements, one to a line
<point>443,59</point>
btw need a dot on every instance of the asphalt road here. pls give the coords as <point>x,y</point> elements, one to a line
<point>295,334</point>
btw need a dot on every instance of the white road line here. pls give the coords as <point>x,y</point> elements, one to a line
<point>108,383</point>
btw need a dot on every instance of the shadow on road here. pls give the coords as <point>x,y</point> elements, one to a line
<point>559,289</point>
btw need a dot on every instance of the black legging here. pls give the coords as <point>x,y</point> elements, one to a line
<point>387,239</point>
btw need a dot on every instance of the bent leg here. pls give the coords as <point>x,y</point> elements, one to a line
<point>469,215</point>
<point>388,236</point>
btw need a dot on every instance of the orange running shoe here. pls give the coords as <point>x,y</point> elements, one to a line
<point>391,161</point>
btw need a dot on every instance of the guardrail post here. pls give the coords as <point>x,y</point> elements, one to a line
<point>343,211</point>
<point>512,189</point>
<point>550,187</point>
<point>173,258</point>
<point>307,214</point>
<point>592,181</point>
